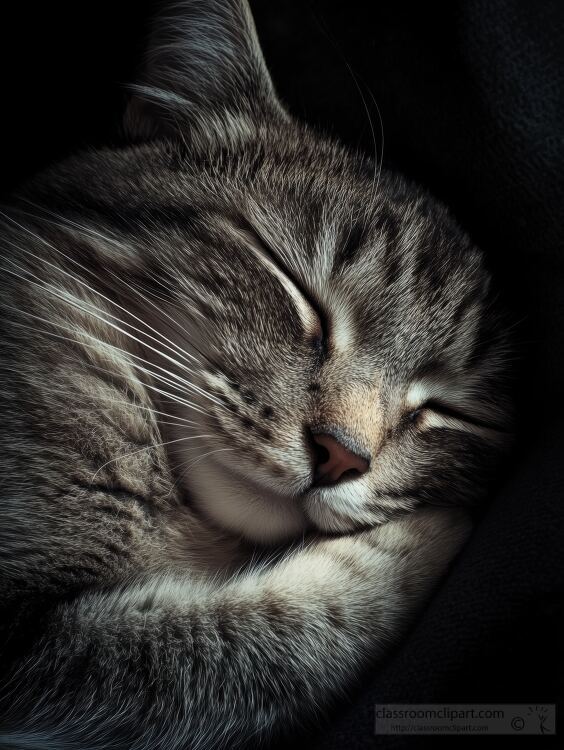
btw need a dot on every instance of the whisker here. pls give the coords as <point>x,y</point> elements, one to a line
<point>66,223</point>
<point>182,351</point>
<point>377,171</point>
<point>81,305</point>
<point>147,447</point>
<point>179,421</point>
<point>184,354</point>
<point>89,232</point>
<point>176,399</point>
<point>382,138</point>
<point>209,453</point>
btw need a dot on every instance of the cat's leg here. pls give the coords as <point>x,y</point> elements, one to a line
<point>165,663</point>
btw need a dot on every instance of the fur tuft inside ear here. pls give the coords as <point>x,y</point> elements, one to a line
<point>205,75</point>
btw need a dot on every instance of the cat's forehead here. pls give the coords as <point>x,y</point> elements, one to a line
<point>395,274</point>
<point>397,278</point>
<point>390,261</point>
<point>383,312</point>
<point>331,202</point>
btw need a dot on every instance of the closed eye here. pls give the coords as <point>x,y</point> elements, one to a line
<point>313,317</point>
<point>443,409</point>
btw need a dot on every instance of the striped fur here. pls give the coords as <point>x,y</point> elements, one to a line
<point>178,313</point>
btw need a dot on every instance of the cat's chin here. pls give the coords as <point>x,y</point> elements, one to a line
<point>260,515</point>
<point>333,511</point>
<point>233,504</point>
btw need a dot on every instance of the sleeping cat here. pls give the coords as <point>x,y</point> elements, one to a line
<point>250,384</point>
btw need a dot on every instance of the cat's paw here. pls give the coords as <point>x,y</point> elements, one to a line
<point>399,563</point>
<point>427,526</point>
<point>427,539</point>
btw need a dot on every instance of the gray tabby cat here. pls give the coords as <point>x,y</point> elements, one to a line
<point>230,335</point>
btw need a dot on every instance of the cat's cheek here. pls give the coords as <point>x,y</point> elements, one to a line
<point>258,516</point>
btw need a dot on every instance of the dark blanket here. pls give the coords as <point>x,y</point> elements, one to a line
<point>471,94</point>
<point>471,97</point>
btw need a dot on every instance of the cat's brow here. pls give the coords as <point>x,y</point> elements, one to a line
<point>310,317</point>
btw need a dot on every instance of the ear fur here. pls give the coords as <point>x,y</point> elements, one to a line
<point>204,74</point>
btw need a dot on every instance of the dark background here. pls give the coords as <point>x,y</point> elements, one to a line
<point>471,99</point>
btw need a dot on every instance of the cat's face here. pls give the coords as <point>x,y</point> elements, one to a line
<point>335,353</point>
<point>315,305</point>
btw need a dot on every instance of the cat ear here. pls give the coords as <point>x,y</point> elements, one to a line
<point>204,75</point>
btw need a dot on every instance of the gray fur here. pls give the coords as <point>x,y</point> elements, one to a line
<point>178,313</point>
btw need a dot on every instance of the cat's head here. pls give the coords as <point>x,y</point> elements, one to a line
<point>333,352</point>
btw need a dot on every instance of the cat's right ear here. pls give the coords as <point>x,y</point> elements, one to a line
<point>204,76</point>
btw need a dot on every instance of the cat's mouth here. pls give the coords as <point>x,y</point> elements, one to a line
<point>268,515</point>
<point>332,509</point>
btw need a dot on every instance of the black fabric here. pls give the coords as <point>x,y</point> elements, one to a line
<point>471,95</point>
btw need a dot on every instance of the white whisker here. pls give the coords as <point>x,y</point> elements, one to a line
<point>81,305</point>
<point>204,455</point>
<point>176,399</point>
<point>146,447</point>
<point>170,344</point>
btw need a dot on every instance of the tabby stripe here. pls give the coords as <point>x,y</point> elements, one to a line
<point>349,247</point>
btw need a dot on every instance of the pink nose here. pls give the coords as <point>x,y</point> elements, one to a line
<point>334,460</point>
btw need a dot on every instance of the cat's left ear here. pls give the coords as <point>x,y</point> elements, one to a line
<point>204,76</point>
